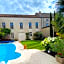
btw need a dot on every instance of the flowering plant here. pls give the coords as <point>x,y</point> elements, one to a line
<point>61,35</point>
<point>46,42</point>
<point>58,47</point>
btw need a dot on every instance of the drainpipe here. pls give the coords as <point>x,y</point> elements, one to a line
<point>41,22</point>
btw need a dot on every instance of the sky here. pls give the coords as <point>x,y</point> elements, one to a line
<point>27,6</point>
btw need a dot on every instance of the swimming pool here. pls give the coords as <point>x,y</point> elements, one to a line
<point>7,52</point>
<point>7,41</point>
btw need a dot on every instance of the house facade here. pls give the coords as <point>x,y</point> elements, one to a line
<point>22,24</point>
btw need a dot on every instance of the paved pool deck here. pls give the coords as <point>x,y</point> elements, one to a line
<point>31,56</point>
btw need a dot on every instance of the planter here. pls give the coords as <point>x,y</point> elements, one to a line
<point>59,59</point>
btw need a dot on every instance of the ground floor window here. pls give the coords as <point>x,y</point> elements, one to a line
<point>3,24</point>
<point>30,33</point>
<point>12,35</point>
<point>47,24</point>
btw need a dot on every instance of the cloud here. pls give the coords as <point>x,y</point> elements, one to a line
<point>26,6</point>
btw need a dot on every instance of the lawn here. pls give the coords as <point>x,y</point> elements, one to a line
<point>33,44</point>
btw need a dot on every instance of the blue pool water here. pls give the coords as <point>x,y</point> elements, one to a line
<point>7,52</point>
<point>7,41</point>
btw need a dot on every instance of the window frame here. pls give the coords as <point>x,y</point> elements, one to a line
<point>11,25</point>
<point>30,33</point>
<point>12,35</point>
<point>47,25</point>
<point>36,25</point>
<point>47,20</point>
<point>30,25</point>
<point>3,25</point>
<point>21,25</point>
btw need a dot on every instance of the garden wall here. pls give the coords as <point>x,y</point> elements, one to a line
<point>46,31</point>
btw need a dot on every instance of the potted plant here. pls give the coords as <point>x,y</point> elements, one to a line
<point>58,47</point>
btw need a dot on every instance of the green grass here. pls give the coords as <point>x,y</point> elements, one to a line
<point>33,44</point>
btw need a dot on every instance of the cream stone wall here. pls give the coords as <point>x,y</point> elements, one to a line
<point>16,21</point>
<point>46,31</point>
<point>0,23</point>
<point>44,22</point>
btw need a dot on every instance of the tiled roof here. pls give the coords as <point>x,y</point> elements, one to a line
<point>21,16</point>
<point>45,15</point>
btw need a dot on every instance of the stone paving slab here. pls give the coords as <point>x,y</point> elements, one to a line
<point>33,56</point>
<point>18,45</point>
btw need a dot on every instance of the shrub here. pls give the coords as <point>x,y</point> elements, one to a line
<point>46,43</point>
<point>16,39</point>
<point>38,36</point>
<point>60,35</point>
<point>58,47</point>
<point>4,32</point>
<point>27,36</point>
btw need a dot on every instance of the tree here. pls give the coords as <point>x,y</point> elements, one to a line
<point>59,19</point>
<point>61,5</point>
<point>54,15</point>
<point>4,32</point>
<point>51,29</point>
<point>59,23</point>
<point>61,10</point>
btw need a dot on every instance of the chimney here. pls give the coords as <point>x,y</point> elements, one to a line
<point>39,14</point>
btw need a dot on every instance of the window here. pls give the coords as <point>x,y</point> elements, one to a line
<point>21,25</point>
<point>12,35</point>
<point>46,20</point>
<point>3,24</point>
<point>36,24</point>
<point>11,25</point>
<point>30,25</point>
<point>30,33</point>
<point>47,24</point>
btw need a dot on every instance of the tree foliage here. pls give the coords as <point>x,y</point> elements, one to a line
<point>59,18</point>
<point>51,29</point>
<point>59,23</point>
<point>4,32</point>
<point>58,47</point>
<point>38,36</point>
<point>61,5</point>
<point>27,36</point>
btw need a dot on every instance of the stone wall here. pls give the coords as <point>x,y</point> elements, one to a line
<point>46,31</point>
<point>16,22</point>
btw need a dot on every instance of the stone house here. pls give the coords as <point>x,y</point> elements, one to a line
<point>21,24</point>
